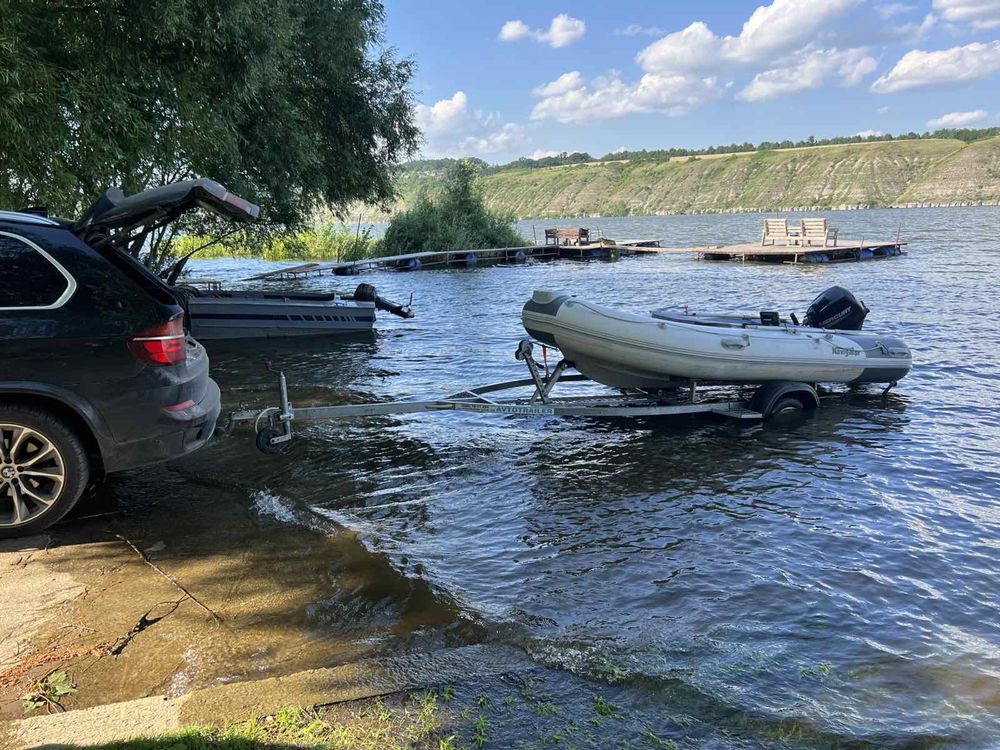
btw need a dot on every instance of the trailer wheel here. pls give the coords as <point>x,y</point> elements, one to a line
<point>264,438</point>
<point>785,406</point>
<point>777,396</point>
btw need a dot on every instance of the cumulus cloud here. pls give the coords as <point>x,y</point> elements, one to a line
<point>848,67</point>
<point>563,31</point>
<point>443,116</point>
<point>781,44</point>
<point>771,33</point>
<point>539,153</point>
<point>450,127</point>
<point>891,10</point>
<point>569,99</point>
<point>956,65</point>
<point>869,133</point>
<point>958,119</point>
<point>562,85</point>
<point>506,137</point>
<point>782,48</point>
<point>980,14</point>
<point>512,31</point>
<point>634,29</point>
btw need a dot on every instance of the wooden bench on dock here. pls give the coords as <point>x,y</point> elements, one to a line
<point>579,236</point>
<point>776,230</point>
<point>818,230</point>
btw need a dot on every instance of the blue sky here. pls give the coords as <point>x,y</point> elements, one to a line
<point>499,80</point>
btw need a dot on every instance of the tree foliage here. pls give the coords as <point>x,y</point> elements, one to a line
<point>293,104</point>
<point>322,242</point>
<point>457,219</point>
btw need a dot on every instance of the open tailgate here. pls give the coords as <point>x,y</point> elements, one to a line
<point>115,211</point>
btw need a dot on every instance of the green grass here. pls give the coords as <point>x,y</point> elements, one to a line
<point>414,724</point>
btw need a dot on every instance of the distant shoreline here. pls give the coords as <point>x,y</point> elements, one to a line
<point>926,173</point>
<point>780,210</point>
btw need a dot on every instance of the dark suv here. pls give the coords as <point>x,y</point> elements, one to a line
<point>97,373</point>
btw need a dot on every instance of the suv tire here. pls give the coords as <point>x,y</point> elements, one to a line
<point>43,469</point>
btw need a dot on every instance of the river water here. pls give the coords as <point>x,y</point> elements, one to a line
<point>833,580</point>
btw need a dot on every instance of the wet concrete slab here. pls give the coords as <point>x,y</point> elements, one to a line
<point>231,703</point>
<point>198,584</point>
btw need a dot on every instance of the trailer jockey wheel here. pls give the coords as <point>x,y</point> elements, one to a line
<point>264,438</point>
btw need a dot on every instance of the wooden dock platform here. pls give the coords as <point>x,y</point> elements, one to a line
<point>841,252</point>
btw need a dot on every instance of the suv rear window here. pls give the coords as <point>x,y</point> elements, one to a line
<point>139,274</point>
<point>29,278</point>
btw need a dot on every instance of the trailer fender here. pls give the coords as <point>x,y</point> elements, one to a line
<point>769,395</point>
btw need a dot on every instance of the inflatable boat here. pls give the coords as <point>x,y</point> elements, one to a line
<point>663,349</point>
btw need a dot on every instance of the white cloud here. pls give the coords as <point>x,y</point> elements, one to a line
<point>542,154</point>
<point>785,47</point>
<point>958,64</point>
<point>781,45</point>
<point>890,10</point>
<point>772,32</point>
<point>784,24</point>
<point>506,137</point>
<point>634,29</point>
<point>695,48</point>
<point>869,133</point>
<point>512,31</point>
<point>443,116</point>
<point>849,67</point>
<point>451,128</point>
<point>563,84</point>
<point>958,119</point>
<point>980,14</point>
<point>608,97</point>
<point>883,110</point>
<point>562,31</point>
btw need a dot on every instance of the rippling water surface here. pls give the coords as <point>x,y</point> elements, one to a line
<point>829,580</point>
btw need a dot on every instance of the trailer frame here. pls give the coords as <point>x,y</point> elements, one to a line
<point>273,424</point>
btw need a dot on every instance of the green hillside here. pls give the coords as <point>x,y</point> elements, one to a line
<point>888,173</point>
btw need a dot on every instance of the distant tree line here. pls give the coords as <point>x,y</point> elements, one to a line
<point>439,167</point>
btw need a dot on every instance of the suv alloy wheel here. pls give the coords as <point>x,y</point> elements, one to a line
<point>43,469</point>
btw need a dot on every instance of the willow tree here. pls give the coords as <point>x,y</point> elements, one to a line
<point>293,104</point>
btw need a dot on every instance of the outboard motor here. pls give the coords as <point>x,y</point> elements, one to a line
<point>836,309</point>
<point>368,293</point>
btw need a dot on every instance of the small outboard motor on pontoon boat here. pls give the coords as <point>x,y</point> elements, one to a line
<point>836,309</point>
<point>368,293</point>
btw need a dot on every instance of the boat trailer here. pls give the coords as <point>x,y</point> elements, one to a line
<point>273,424</point>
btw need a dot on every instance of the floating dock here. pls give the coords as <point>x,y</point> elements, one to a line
<point>842,252</point>
<point>431,259</point>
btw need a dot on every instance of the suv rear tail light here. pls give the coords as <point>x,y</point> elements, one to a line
<point>161,345</point>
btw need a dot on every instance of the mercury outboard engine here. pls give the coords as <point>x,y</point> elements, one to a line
<point>837,309</point>
<point>368,293</point>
